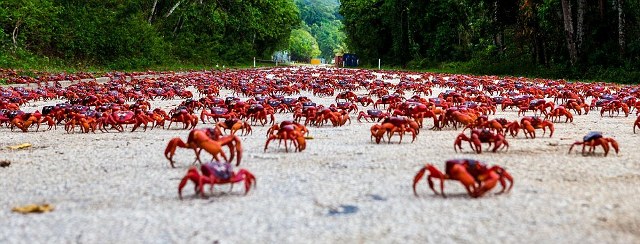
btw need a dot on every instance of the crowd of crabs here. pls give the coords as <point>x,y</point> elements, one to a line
<point>396,108</point>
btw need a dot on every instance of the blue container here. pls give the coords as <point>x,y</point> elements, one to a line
<point>350,60</point>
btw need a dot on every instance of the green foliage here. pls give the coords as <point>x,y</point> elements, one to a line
<point>523,37</point>
<point>366,34</point>
<point>479,36</point>
<point>322,20</point>
<point>302,45</point>
<point>329,36</point>
<point>138,34</point>
<point>28,23</point>
<point>318,11</point>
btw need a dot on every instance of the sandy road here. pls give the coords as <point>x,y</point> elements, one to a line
<point>114,187</point>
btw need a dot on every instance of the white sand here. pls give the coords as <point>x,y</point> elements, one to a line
<point>119,188</point>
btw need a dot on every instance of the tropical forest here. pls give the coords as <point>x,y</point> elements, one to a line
<point>572,39</point>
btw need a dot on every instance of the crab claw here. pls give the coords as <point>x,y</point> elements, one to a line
<point>193,175</point>
<point>503,175</point>
<point>433,172</point>
<point>614,144</point>
<point>170,150</point>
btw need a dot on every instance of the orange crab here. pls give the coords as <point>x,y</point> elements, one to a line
<point>593,139</point>
<point>234,124</point>
<point>207,139</point>
<point>478,137</point>
<point>530,124</point>
<point>288,131</point>
<point>474,175</point>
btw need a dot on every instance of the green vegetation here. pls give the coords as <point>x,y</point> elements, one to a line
<point>322,20</point>
<point>302,45</point>
<point>514,69</point>
<point>117,34</point>
<point>575,39</point>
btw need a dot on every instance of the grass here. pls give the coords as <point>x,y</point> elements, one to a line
<point>523,69</point>
<point>29,63</point>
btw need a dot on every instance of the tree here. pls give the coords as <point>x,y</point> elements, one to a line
<point>366,33</point>
<point>621,26</point>
<point>329,36</point>
<point>29,22</point>
<point>322,20</point>
<point>302,45</point>
<point>137,34</point>
<point>569,31</point>
<point>318,11</point>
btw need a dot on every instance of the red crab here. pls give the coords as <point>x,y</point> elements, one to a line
<point>234,125</point>
<point>349,96</point>
<point>595,138</point>
<point>474,175</point>
<point>479,136</point>
<point>392,125</point>
<point>364,100</point>
<point>288,131</point>
<point>530,124</point>
<point>216,173</point>
<point>216,113</point>
<point>346,106</point>
<point>183,115</point>
<point>373,114</point>
<point>207,139</point>
<point>119,118</point>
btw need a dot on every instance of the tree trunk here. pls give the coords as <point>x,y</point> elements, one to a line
<point>569,32</point>
<point>411,42</point>
<point>601,7</point>
<point>580,26</point>
<point>14,34</point>
<point>538,36</point>
<point>177,27</point>
<point>497,36</point>
<point>172,9</point>
<point>153,10</point>
<point>621,25</point>
<point>404,35</point>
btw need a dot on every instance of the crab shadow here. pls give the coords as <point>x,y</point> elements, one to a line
<point>216,194</point>
<point>593,154</point>
<point>460,195</point>
<point>281,149</point>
